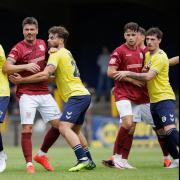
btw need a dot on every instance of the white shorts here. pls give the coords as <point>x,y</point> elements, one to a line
<point>140,113</point>
<point>45,104</point>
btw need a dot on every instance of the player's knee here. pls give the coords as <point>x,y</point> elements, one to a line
<point>132,130</point>
<point>127,124</point>
<point>169,127</point>
<point>27,128</point>
<point>160,132</point>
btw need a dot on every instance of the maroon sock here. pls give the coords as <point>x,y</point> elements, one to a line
<point>49,139</point>
<point>120,140</point>
<point>26,144</point>
<point>127,146</point>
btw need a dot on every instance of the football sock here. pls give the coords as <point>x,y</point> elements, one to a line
<point>1,143</point>
<point>173,142</point>
<point>88,154</point>
<point>49,139</point>
<point>26,144</point>
<point>162,143</point>
<point>41,153</point>
<point>79,152</point>
<point>120,140</point>
<point>127,146</point>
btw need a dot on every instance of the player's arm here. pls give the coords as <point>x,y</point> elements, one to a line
<point>173,61</point>
<point>138,76</point>
<point>113,73</point>
<point>41,76</point>
<point>10,67</point>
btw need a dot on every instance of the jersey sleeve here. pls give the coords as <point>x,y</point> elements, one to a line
<point>2,54</point>
<point>53,59</point>
<point>158,64</point>
<point>115,58</point>
<point>15,54</point>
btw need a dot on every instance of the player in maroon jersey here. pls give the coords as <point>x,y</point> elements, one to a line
<point>128,95</point>
<point>143,115</point>
<point>26,58</point>
<point>131,96</point>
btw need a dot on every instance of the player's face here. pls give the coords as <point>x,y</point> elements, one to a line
<point>131,37</point>
<point>152,42</point>
<point>53,40</point>
<point>30,32</point>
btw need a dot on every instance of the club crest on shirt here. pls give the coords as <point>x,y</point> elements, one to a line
<point>141,55</point>
<point>41,47</point>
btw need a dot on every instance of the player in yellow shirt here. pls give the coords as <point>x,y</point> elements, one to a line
<point>4,101</point>
<point>71,89</point>
<point>162,98</point>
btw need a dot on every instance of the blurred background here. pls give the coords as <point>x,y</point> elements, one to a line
<point>94,25</point>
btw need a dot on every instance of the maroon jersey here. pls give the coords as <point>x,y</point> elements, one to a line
<point>128,60</point>
<point>22,53</point>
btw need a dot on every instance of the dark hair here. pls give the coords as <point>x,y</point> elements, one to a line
<point>30,20</point>
<point>142,31</point>
<point>155,31</point>
<point>60,31</point>
<point>132,26</point>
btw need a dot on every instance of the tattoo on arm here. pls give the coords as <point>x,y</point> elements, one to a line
<point>138,76</point>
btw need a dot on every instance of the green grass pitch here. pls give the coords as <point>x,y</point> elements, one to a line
<point>147,160</point>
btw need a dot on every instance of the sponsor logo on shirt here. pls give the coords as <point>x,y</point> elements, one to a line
<point>37,59</point>
<point>130,66</point>
<point>128,55</point>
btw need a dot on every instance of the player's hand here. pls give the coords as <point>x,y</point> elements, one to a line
<point>145,69</point>
<point>138,83</point>
<point>52,50</point>
<point>32,67</point>
<point>15,78</point>
<point>119,75</point>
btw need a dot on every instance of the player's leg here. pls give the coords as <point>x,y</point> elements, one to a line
<point>4,101</point>
<point>147,118</point>
<point>84,144</point>
<point>161,135</point>
<point>50,112</point>
<point>27,105</point>
<point>165,110</point>
<point>69,119</point>
<point>123,141</point>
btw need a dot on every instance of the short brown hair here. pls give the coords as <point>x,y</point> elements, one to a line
<point>30,20</point>
<point>155,31</point>
<point>142,31</point>
<point>132,26</point>
<point>60,31</point>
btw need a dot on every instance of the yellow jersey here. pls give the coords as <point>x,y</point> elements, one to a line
<point>159,87</point>
<point>4,87</point>
<point>67,75</point>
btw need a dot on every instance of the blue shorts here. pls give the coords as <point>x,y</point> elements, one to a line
<point>4,101</point>
<point>163,113</point>
<point>75,109</point>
